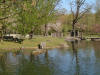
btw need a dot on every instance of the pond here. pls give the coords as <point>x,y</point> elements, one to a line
<point>82,58</point>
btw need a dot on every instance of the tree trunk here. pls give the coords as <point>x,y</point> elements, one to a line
<point>73,29</point>
<point>81,34</point>
<point>31,35</point>
<point>1,36</point>
<point>46,31</point>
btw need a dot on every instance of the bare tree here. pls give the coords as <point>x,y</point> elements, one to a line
<point>97,14</point>
<point>78,9</point>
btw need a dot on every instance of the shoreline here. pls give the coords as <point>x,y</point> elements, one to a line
<point>27,48</point>
<point>31,48</point>
<point>51,42</point>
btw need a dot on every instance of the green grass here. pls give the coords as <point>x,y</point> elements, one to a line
<point>50,42</point>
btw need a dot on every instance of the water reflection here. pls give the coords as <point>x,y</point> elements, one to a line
<point>75,57</point>
<point>82,58</point>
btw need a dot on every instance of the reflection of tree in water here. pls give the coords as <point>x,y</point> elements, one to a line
<point>75,52</point>
<point>34,65</point>
<point>96,46</point>
<point>24,66</point>
<point>48,63</point>
<point>46,56</point>
<point>3,65</point>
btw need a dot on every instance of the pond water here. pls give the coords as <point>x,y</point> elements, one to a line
<point>82,58</point>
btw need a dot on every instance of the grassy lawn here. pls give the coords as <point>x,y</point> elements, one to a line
<point>51,42</point>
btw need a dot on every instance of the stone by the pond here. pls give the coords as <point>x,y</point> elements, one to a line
<point>42,45</point>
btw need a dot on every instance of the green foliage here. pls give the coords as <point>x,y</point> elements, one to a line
<point>22,16</point>
<point>33,14</point>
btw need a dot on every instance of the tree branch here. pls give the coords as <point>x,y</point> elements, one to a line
<point>7,17</point>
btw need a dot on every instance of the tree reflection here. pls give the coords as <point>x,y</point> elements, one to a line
<point>46,56</point>
<point>75,53</point>
<point>3,63</point>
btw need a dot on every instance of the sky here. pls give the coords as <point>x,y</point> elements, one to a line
<point>65,4</point>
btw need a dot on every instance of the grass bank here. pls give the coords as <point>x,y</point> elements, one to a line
<point>33,43</point>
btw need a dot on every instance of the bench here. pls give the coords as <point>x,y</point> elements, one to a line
<point>11,38</point>
<point>8,38</point>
